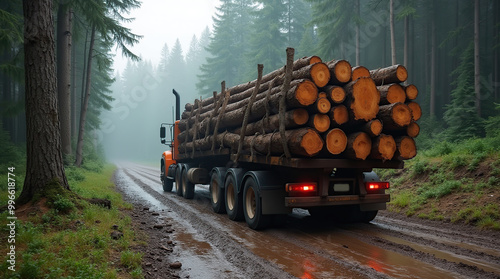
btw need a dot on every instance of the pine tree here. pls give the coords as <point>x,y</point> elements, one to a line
<point>461,114</point>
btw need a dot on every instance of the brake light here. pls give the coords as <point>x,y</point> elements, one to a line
<point>301,187</point>
<point>373,186</point>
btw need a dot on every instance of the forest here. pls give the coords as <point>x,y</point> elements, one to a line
<point>450,48</point>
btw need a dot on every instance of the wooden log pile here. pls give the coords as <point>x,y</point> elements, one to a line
<point>308,108</point>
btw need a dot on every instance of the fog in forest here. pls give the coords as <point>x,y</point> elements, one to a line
<point>433,39</point>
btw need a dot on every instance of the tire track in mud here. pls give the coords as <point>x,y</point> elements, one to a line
<point>388,247</point>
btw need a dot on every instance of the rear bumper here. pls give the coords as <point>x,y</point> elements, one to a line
<point>336,200</point>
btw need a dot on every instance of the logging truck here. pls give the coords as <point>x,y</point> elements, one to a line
<point>277,143</point>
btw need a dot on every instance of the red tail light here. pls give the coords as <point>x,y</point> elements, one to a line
<point>374,186</point>
<point>301,187</point>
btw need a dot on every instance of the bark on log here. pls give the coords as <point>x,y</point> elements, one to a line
<point>338,115</point>
<point>303,142</point>
<point>322,105</point>
<point>320,122</point>
<point>340,72</point>
<point>372,128</point>
<point>395,116</point>
<point>391,74</point>
<point>359,146</point>
<point>416,110</point>
<point>293,119</point>
<point>406,148</point>
<point>383,147</point>
<point>363,98</point>
<point>334,93</point>
<point>391,93</point>
<point>411,92</point>
<point>235,90</point>
<point>335,141</point>
<point>360,71</point>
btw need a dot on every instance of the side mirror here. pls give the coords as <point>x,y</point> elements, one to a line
<point>163,132</point>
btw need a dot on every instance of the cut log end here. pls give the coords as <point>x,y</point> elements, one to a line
<point>323,105</point>
<point>374,127</point>
<point>406,147</point>
<point>359,146</point>
<point>413,129</point>
<point>411,92</point>
<point>392,93</point>
<point>401,73</point>
<point>341,71</point>
<point>320,122</point>
<point>314,60</point>
<point>320,74</point>
<point>384,147</point>
<point>336,141</point>
<point>365,99</point>
<point>401,115</point>
<point>416,110</point>
<point>300,116</point>
<point>337,95</point>
<point>306,93</point>
<point>360,71</point>
<point>311,143</point>
<point>339,115</point>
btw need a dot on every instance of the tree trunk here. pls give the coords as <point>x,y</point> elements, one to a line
<point>411,92</point>
<point>335,93</point>
<point>416,110</point>
<point>338,115</point>
<point>322,105</point>
<point>64,75</point>
<point>391,93</point>
<point>359,146</point>
<point>358,19</point>
<point>433,66</point>
<point>335,141</point>
<point>406,148</point>
<point>383,147</point>
<point>44,166</point>
<point>391,74</point>
<point>393,37</point>
<point>477,74</point>
<point>360,71</point>
<point>85,103</point>
<point>395,116</point>
<point>363,99</point>
<point>320,122</point>
<point>293,119</point>
<point>373,128</point>
<point>340,72</point>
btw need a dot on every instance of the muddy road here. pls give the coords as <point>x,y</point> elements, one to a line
<point>210,245</point>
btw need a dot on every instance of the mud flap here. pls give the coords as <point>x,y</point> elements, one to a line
<point>273,201</point>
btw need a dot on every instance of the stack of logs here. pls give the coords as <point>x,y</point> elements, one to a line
<point>323,110</point>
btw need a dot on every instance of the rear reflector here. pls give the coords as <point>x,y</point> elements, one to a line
<point>301,187</point>
<point>373,186</point>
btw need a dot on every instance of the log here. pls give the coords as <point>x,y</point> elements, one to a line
<point>235,90</point>
<point>338,115</point>
<point>359,146</point>
<point>335,94</point>
<point>383,147</point>
<point>303,142</point>
<point>335,141</point>
<point>322,105</point>
<point>293,119</point>
<point>416,110</point>
<point>411,92</point>
<point>391,74</point>
<point>360,71</point>
<point>320,122</point>
<point>395,116</point>
<point>319,74</point>
<point>363,98</point>
<point>340,72</point>
<point>372,128</point>
<point>413,129</point>
<point>391,93</point>
<point>406,148</point>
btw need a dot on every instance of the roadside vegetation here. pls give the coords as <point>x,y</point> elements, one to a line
<point>451,181</point>
<point>68,236</point>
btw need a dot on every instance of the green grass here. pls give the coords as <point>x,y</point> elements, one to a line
<point>464,173</point>
<point>73,240</point>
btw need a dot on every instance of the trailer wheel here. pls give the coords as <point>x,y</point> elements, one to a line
<point>234,201</point>
<point>168,184</point>
<point>368,216</point>
<point>252,206</point>
<point>187,186</point>
<point>178,181</point>
<point>216,195</point>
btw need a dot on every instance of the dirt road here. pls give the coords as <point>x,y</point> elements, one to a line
<point>209,245</point>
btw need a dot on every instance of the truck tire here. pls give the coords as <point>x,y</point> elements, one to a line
<point>168,184</point>
<point>234,200</point>
<point>187,186</point>
<point>178,181</point>
<point>216,194</point>
<point>252,206</point>
<point>368,216</point>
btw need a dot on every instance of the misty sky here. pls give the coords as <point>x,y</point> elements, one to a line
<point>165,21</point>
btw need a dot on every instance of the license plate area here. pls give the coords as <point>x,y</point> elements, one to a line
<point>341,187</point>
